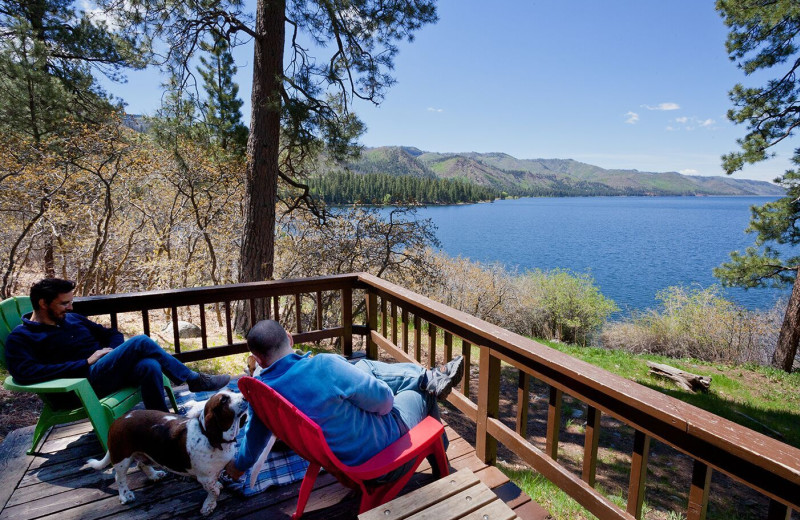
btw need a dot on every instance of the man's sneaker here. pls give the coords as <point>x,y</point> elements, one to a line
<point>439,381</point>
<point>208,382</point>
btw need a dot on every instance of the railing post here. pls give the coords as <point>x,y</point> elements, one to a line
<point>553,422</point>
<point>347,322</point>
<point>431,345</point>
<point>488,405</point>
<point>384,318</point>
<point>591,440</point>
<point>372,324</point>
<point>641,448</point>
<point>298,311</point>
<point>466,351</point>
<point>319,310</point>
<point>394,323</point>
<point>405,330</point>
<point>698,493</point>
<point>417,338</point>
<point>523,394</point>
<point>778,511</point>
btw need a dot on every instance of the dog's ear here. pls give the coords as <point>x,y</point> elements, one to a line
<point>217,418</point>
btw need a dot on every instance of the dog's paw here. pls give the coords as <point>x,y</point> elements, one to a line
<point>126,496</point>
<point>157,475</point>
<point>208,507</point>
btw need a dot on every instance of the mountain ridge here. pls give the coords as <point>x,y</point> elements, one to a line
<point>549,177</point>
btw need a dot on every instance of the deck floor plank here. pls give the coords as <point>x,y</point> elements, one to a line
<point>56,484</point>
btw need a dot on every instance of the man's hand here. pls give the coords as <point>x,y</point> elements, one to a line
<point>232,472</point>
<point>97,355</point>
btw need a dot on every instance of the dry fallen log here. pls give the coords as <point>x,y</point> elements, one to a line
<point>685,380</point>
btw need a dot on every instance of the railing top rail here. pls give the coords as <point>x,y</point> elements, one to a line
<point>128,302</point>
<point>686,427</point>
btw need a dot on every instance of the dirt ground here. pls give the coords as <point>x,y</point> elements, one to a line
<point>17,410</point>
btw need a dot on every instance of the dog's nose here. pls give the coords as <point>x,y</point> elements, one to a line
<point>242,420</point>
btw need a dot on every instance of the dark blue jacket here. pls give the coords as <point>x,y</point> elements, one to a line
<point>36,352</point>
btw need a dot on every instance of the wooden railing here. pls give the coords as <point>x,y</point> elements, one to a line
<point>410,327</point>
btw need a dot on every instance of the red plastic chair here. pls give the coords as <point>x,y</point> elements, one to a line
<point>305,437</point>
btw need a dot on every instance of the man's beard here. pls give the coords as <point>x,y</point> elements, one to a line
<point>52,315</point>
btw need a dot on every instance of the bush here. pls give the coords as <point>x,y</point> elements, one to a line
<point>698,323</point>
<point>562,305</point>
<point>546,304</point>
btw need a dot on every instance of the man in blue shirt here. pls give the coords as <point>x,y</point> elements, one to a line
<point>361,408</point>
<point>53,342</point>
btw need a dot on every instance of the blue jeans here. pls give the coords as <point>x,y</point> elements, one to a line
<point>140,362</point>
<point>411,403</point>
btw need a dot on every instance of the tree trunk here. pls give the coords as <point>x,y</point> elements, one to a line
<point>790,332</point>
<point>261,184</point>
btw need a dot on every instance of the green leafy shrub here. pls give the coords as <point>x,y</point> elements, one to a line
<point>697,323</point>
<point>562,305</point>
<point>545,304</point>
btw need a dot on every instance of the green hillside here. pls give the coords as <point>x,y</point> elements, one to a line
<point>548,177</point>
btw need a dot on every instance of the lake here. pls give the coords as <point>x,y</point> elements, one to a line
<point>633,247</point>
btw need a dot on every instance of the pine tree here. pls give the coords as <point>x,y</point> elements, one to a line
<point>223,106</point>
<point>763,35</point>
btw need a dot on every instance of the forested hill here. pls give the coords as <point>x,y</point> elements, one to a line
<point>547,177</point>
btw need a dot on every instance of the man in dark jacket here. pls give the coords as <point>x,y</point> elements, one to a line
<point>53,342</point>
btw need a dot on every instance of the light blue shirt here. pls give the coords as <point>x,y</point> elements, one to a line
<point>351,406</point>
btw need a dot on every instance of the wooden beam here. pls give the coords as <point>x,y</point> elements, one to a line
<point>553,422</point>
<point>298,312</point>
<point>417,338</point>
<point>372,323</point>
<point>698,492</point>
<point>347,322</point>
<point>778,511</point>
<point>394,323</point>
<point>523,402</point>
<point>405,330</point>
<point>466,351</point>
<point>384,318</point>
<point>488,405</point>
<point>636,487</point>
<point>590,443</point>
<point>431,345</point>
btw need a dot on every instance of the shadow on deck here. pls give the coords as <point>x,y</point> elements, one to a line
<point>56,483</point>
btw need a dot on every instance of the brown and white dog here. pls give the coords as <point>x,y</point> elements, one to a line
<point>198,446</point>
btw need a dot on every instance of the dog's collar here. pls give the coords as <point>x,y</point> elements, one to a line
<point>203,430</point>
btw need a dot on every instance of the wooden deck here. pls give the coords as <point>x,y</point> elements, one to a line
<point>56,484</point>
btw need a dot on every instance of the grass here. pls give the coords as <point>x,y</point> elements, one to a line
<point>761,398</point>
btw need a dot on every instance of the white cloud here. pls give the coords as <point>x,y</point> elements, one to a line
<point>632,118</point>
<point>432,109</point>
<point>692,123</point>
<point>689,171</point>
<point>663,106</point>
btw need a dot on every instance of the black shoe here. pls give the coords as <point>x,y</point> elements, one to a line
<point>439,381</point>
<point>208,382</point>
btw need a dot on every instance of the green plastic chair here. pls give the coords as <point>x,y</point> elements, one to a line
<point>100,412</point>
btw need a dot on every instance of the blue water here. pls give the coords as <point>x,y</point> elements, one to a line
<point>632,246</point>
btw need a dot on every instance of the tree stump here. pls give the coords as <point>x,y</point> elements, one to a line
<point>685,380</point>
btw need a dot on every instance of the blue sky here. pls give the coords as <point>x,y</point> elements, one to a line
<point>634,84</point>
